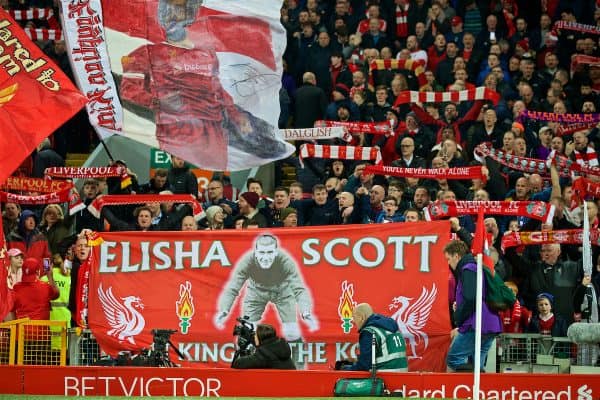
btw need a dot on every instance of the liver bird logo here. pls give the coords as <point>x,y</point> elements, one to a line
<point>412,318</point>
<point>124,318</point>
<point>8,93</point>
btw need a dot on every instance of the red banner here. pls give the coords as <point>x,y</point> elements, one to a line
<point>201,275</point>
<point>40,185</point>
<point>35,96</point>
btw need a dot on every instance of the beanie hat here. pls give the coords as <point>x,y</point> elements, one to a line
<point>342,89</point>
<point>518,126</point>
<point>251,198</point>
<point>287,212</point>
<point>31,268</point>
<point>211,212</point>
<point>524,43</point>
<point>546,295</point>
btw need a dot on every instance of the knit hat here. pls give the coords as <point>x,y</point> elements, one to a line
<point>519,126</point>
<point>456,20</point>
<point>31,268</point>
<point>14,252</point>
<point>342,89</point>
<point>524,44</point>
<point>286,212</point>
<point>251,198</point>
<point>545,295</point>
<point>211,212</point>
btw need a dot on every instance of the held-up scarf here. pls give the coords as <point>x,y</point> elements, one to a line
<point>119,199</point>
<point>566,165</point>
<point>68,195</point>
<point>375,128</point>
<point>569,129</point>
<point>480,93</point>
<point>336,132</point>
<point>40,185</point>
<point>539,210</point>
<point>90,172</point>
<point>583,188</point>
<point>402,21</point>
<point>82,294</point>
<point>31,13</point>
<point>416,66</point>
<point>428,173</point>
<point>566,118</point>
<point>576,26</point>
<point>578,59</point>
<point>529,165</point>
<point>339,152</point>
<point>564,236</point>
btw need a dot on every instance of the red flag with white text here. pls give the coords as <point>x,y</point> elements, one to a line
<point>481,242</point>
<point>197,283</point>
<point>36,97</point>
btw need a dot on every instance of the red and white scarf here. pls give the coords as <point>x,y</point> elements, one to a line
<point>538,210</point>
<point>40,185</point>
<point>475,172</point>
<point>576,26</point>
<point>31,13</point>
<point>326,133</point>
<point>339,152</point>
<point>120,199</point>
<point>375,128</point>
<point>90,172</point>
<point>569,129</point>
<point>583,188</point>
<point>402,21</point>
<point>480,93</point>
<point>567,166</point>
<point>529,165</point>
<point>564,236</point>
<point>68,195</point>
<point>567,118</point>
<point>43,34</point>
<point>588,158</point>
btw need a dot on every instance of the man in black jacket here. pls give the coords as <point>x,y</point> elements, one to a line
<point>311,102</point>
<point>272,352</point>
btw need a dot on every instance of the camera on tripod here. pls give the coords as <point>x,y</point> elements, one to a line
<point>245,333</point>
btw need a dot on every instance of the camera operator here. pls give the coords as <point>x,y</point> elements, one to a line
<point>272,352</point>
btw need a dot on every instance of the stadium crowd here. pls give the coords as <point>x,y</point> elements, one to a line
<point>349,61</point>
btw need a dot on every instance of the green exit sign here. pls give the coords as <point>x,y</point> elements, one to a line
<point>159,159</point>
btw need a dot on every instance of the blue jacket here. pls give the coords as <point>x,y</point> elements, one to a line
<point>365,338</point>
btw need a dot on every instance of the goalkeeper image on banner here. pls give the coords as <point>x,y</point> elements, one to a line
<point>273,277</point>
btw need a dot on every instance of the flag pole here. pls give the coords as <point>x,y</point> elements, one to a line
<point>478,313</point>
<point>110,157</point>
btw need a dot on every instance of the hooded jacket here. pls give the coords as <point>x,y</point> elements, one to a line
<point>365,338</point>
<point>273,353</point>
<point>33,243</point>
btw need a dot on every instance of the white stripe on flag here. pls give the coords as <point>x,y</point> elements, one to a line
<point>429,97</point>
<point>335,151</point>
<point>366,153</point>
<point>318,153</point>
<point>463,95</point>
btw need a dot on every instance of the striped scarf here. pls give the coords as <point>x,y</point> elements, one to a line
<point>587,159</point>
<point>339,152</point>
<point>402,21</point>
<point>480,93</point>
<point>416,66</point>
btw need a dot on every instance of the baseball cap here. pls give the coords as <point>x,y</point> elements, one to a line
<point>14,252</point>
<point>456,20</point>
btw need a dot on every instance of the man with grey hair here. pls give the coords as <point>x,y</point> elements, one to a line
<point>313,101</point>
<point>272,276</point>
<point>45,157</point>
<point>549,274</point>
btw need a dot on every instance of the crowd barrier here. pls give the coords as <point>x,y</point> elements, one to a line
<point>29,342</point>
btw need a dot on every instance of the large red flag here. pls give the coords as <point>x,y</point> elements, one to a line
<point>480,244</point>
<point>35,96</point>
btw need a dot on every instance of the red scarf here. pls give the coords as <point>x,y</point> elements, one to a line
<point>583,188</point>
<point>530,165</point>
<point>589,158</point>
<point>119,199</point>
<point>402,21</point>
<point>39,185</point>
<point>566,166</point>
<point>566,118</point>
<point>375,128</point>
<point>82,294</point>
<point>569,129</point>
<point>575,26</point>
<point>564,236</point>
<point>480,93</point>
<point>428,173</point>
<point>339,152</point>
<point>539,210</point>
<point>416,66</point>
<point>90,172</point>
<point>64,196</point>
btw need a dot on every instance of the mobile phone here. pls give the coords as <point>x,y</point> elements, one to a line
<point>493,36</point>
<point>46,264</point>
